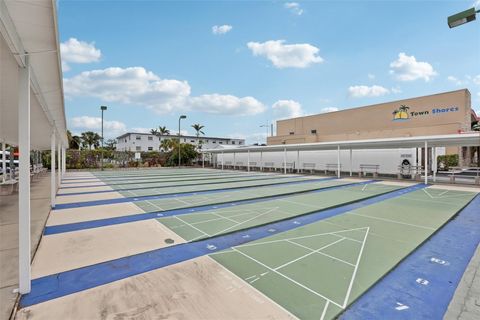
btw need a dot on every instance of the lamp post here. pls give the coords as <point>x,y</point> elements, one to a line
<point>179,153</point>
<point>462,17</point>
<point>103,108</point>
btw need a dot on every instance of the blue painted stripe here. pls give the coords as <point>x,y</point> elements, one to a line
<point>158,214</point>
<point>169,195</point>
<point>232,179</point>
<point>451,249</point>
<point>68,282</point>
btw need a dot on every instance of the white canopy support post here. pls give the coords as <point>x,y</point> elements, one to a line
<point>434,163</point>
<point>64,162</point>
<point>248,161</point>
<point>203,160</point>
<point>351,162</point>
<point>223,160</point>
<point>24,273</point>
<point>426,162</point>
<point>4,162</point>
<point>59,165</point>
<point>285,160</point>
<point>298,161</point>
<point>261,161</point>
<point>234,160</point>
<point>53,181</point>
<point>338,162</point>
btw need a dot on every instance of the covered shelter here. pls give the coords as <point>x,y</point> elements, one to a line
<point>32,114</point>
<point>470,139</point>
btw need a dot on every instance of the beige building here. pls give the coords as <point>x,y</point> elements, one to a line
<point>443,113</point>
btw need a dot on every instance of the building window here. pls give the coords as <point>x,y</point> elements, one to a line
<point>150,138</point>
<point>138,137</point>
<point>214,141</point>
<point>184,140</point>
<point>221,142</point>
<point>192,141</point>
<point>125,140</point>
<point>150,148</point>
<point>313,131</point>
<point>292,133</point>
<point>240,142</point>
<point>233,142</point>
<point>138,148</point>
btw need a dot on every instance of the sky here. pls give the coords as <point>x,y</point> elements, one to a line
<point>233,66</point>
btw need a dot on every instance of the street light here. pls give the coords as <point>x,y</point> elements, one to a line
<point>103,108</point>
<point>179,119</point>
<point>462,17</point>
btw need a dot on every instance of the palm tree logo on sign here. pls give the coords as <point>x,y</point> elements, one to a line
<point>401,113</point>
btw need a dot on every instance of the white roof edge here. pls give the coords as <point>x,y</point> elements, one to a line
<point>465,139</point>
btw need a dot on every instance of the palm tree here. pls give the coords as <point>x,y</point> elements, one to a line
<point>167,144</point>
<point>154,132</point>
<point>163,131</point>
<point>73,141</point>
<point>91,139</point>
<point>198,130</point>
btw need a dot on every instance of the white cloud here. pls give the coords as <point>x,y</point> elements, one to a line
<point>456,81</point>
<point>366,91</point>
<point>371,76</point>
<point>221,29</point>
<point>147,130</point>
<point>111,128</point>
<point>250,138</point>
<point>75,51</point>
<point>396,90</point>
<point>329,109</point>
<point>283,55</point>
<point>294,8</point>
<point>407,68</point>
<point>226,104</point>
<point>476,4</point>
<point>138,86</point>
<point>476,79</point>
<point>283,109</point>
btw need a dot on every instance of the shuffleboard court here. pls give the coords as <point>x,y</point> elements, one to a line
<point>316,271</point>
<point>195,202</point>
<point>201,225</point>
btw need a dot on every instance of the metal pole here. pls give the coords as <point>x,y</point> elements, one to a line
<point>285,160</point>
<point>53,188</point>
<point>4,162</point>
<point>101,163</point>
<point>24,272</point>
<point>59,175</point>
<point>234,161</point>
<point>223,160</point>
<point>338,162</point>
<point>434,163</point>
<point>179,143</point>
<point>351,162</point>
<point>261,161</point>
<point>203,160</point>
<point>426,162</point>
<point>64,165</point>
<point>248,161</point>
<point>298,161</point>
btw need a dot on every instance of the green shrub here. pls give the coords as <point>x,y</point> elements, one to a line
<point>448,161</point>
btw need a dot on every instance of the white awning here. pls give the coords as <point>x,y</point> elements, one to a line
<point>30,27</point>
<point>466,139</point>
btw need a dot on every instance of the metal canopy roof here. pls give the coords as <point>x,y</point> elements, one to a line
<point>30,27</point>
<point>467,139</point>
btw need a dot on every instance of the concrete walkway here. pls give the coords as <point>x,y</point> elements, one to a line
<point>465,305</point>
<point>40,204</point>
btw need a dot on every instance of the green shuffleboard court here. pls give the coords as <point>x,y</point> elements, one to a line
<point>182,177</point>
<point>316,271</point>
<point>201,225</point>
<point>235,195</point>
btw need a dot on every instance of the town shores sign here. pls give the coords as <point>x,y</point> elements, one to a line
<point>404,113</point>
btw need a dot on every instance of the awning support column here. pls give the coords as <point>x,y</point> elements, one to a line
<point>338,162</point>
<point>234,156</point>
<point>261,161</point>
<point>248,161</point>
<point>24,271</point>
<point>298,161</point>
<point>426,162</point>
<point>64,158</point>
<point>434,163</point>
<point>4,162</point>
<point>285,160</point>
<point>223,159</point>
<point>59,171</point>
<point>53,180</point>
<point>351,162</point>
<point>203,160</point>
